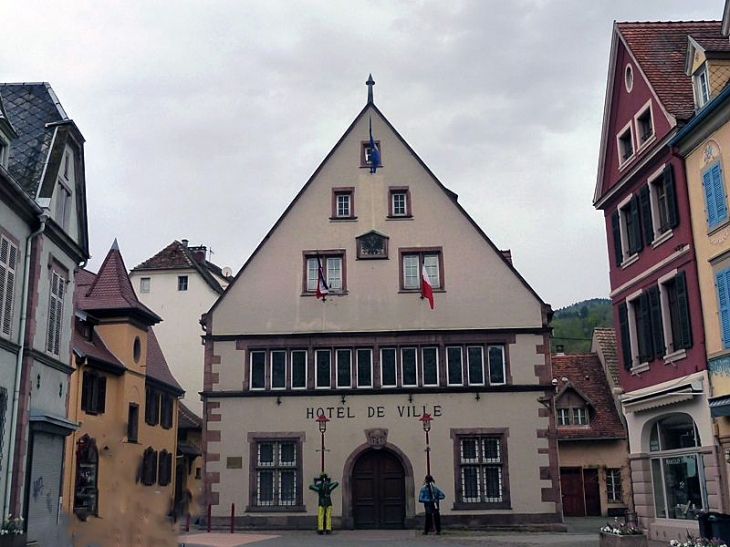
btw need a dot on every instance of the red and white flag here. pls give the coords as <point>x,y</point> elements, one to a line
<point>426,287</point>
<point>322,289</point>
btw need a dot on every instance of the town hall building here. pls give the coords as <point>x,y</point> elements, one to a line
<point>377,333</point>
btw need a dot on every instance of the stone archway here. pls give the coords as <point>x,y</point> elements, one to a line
<point>391,470</point>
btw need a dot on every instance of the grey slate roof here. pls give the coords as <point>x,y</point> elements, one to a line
<point>30,109</point>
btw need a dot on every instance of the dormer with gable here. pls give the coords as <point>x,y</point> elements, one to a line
<point>572,407</point>
<point>708,65</point>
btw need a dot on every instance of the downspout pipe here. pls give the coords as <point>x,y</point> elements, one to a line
<point>19,361</point>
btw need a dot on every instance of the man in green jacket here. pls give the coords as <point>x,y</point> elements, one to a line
<point>324,486</point>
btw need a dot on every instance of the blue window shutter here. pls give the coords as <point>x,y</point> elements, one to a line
<point>714,195</point>
<point>719,191</point>
<point>723,299</point>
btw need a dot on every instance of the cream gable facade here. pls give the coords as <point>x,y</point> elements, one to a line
<point>277,357</point>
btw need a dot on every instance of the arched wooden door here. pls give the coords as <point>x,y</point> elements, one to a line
<point>378,491</point>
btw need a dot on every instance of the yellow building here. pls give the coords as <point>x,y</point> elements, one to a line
<point>119,480</point>
<point>704,143</point>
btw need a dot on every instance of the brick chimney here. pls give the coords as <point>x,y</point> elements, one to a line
<point>507,254</point>
<point>199,253</point>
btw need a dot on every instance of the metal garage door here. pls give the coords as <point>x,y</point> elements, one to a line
<point>44,484</point>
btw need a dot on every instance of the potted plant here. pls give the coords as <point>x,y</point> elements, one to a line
<point>622,535</point>
<point>698,542</point>
<point>11,532</point>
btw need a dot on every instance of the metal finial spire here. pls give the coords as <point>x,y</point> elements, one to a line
<point>370,83</point>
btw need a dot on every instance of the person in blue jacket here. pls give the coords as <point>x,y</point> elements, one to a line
<point>430,496</point>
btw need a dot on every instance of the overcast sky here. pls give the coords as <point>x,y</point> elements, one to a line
<point>203,119</point>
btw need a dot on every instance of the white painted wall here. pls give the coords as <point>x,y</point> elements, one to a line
<point>180,331</point>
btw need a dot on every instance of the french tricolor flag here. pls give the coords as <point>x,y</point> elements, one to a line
<point>426,287</point>
<point>322,289</point>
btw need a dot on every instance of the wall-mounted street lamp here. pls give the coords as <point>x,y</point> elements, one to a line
<point>426,420</point>
<point>322,423</point>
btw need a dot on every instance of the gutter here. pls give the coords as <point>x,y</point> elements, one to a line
<point>19,361</point>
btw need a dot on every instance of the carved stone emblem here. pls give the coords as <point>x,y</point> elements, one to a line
<point>377,438</point>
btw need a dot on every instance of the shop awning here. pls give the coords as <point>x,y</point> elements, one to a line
<point>656,400</point>
<point>720,406</point>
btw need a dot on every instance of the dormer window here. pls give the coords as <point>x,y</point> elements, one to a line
<point>701,83</point>
<point>3,153</point>
<point>572,408</point>
<point>625,144</point>
<point>66,163</point>
<point>63,205</point>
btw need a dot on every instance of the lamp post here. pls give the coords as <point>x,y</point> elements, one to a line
<point>322,423</point>
<point>426,420</point>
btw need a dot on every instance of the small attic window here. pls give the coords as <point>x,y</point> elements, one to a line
<point>625,144</point>
<point>701,84</point>
<point>629,78</point>
<point>645,125</point>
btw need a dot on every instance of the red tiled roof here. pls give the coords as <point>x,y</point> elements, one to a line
<point>711,42</point>
<point>95,349</point>
<point>585,372</point>
<point>660,48</point>
<point>605,338</point>
<point>111,289</point>
<point>157,367</point>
